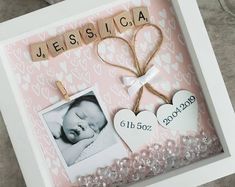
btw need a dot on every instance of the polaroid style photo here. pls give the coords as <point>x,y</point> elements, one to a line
<point>82,133</point>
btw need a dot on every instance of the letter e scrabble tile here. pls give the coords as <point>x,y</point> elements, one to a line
<point>72,39</point>
<point>89,33</point>
<point>39,51</point>
<point>106,27</point>
<point>56,45</point>
<point>124,21</point>
<point>141,15</point>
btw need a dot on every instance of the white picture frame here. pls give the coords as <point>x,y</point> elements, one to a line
<point>27,150</point>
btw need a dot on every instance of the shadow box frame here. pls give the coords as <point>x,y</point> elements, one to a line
<point>30,158</point>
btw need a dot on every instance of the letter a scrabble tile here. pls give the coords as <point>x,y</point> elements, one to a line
<point>39,51</point>
<point>141,15</point>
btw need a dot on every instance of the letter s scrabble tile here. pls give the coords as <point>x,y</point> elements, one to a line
<point>124,21</point>
<point>141,15</point>
<point>56,45</point>
<point>39,51</point>
<point>72,39</point>
<point>89,33</point>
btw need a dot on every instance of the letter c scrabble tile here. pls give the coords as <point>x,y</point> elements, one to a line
<point>89,33</point>
<point>106,27</point>
<point>141,15</point>
<point>39,51</point>
<point>124,21</point>
<point>72,39</point>
<point>56,45</point>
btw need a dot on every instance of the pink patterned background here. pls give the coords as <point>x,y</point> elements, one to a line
<point>81,68</point>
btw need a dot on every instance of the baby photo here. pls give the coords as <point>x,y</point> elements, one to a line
<point>79,128</point>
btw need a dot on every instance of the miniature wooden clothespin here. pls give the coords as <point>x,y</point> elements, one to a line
<point>62,89</point>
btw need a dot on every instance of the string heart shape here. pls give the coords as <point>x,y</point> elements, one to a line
<point>142,76</point>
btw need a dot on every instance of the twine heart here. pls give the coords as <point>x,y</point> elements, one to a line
<point>138,72</point>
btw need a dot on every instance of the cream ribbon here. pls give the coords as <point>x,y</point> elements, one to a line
<point>135,83</point>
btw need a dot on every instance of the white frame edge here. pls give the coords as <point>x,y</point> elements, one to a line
<point>29,156</point>
<point>47,16</point>
<point>33,164</point>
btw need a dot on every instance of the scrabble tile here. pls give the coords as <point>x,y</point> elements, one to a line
<point>56,45</point>
<point>106,27</point>
<point>124,21</point>
<point>89,33</point>
<point>72,39</point>
<point>39,51</point>
<point>141,15</point>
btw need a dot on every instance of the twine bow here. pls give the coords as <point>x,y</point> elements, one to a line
<point>142,76</point>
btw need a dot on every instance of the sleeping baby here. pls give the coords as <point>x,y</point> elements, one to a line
<point>82,123</point>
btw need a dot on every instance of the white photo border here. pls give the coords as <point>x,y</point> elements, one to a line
<point>81,168</point>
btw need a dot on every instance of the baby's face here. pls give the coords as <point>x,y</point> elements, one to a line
<point>82,121</point>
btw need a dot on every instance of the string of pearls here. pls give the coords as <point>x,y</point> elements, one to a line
<point>154,160</point>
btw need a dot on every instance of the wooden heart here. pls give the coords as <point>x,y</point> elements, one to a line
<point>135,131</point>
<point>182,114</point>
